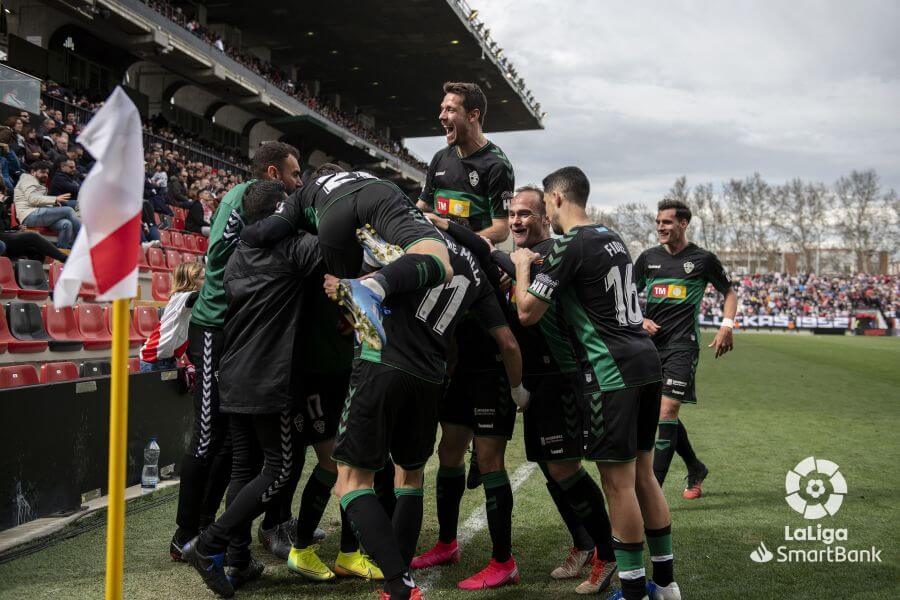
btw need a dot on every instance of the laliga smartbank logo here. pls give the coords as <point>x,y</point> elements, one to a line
<point>815,488</point>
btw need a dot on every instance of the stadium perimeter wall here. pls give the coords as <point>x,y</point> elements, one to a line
<point>55,443</point>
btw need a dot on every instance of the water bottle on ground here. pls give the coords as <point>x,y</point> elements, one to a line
<point>150,474</point>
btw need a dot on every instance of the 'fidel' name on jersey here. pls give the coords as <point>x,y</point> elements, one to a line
<point>589,271</point>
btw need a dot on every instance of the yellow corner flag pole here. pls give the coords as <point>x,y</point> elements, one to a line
<point>118,435</point>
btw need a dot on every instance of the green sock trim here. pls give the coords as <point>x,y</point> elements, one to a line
<point>405,491</point>
<point>349,497</point>
<point>324,475</point>
<point>440,266</point>
<point>675,422</point>
<point>660,546</point>
<point>568,482</point>
<point>451,471</point>
<point>495,479</point>
<point>629,560</point>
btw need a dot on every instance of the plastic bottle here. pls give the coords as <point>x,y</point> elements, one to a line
<point>150,474</point>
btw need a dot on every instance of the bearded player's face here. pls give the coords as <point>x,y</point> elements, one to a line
<point>454,120</point>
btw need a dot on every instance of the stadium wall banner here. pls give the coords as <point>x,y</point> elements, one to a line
<point>781,322</point>
<point>54,446</point>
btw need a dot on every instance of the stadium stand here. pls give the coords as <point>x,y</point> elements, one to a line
<point>58,371</point>
<point>18,375</point>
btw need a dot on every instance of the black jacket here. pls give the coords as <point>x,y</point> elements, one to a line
<point>194,221</point>
<point>264,288</point>
<point>177,194</point>
<point>63,183</point>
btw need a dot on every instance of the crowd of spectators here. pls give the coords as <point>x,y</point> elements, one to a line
<point>808,295</point>
<point>280,79</point>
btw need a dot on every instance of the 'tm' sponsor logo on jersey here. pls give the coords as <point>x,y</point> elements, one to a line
<point>456,207</point>
<point>668,290</point>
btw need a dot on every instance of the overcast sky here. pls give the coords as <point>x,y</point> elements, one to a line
<point>638,93</point>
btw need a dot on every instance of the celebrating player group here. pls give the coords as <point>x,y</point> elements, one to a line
<point>338,313</point>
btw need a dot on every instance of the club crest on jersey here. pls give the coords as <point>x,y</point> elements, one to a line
<point>473,178</point>
<point>688,267</point>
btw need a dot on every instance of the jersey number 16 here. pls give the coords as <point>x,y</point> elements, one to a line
<point>628,310</point>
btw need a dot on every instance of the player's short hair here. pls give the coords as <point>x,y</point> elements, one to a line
<point>535,189</point>
<point>327,169</point>
<point>271,154</point>
<point>261,198</point>
<point>571,182</point>
<point>682,210</point>
<point>472,95</point>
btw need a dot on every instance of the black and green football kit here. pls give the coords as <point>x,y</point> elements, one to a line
<point>589,272</point>
<point>554,429</point>
<point>674,285</point>
<point>391,406</point>
<point>471,190</point>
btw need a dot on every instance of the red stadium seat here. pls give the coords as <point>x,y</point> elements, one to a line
<point>143,265</point>
<point>156,259</point>
<point>134,340</point>
<point>179,212</point>
<point>58,371</point>
<point>177,240</point>
<point>190,244</point>
<point>202,243</point>
<point>165,237</point>
<point>178,223</point>
<point>146,318</point>
<point>32,280</point>
<point>87,292</point>
<point>161,286</point>
<point>173,259</point>
<point>61,325</point>
<point>16,375</point>
<point>92,327</point>
<point>9,287</point>
<point>188,257</point>
<point>134,365</point>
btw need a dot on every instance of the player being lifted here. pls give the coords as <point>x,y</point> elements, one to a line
<point>590,272</point>
<point>391,408</point>
<point>675,275</point>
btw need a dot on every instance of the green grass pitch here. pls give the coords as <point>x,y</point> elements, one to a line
<point>776,400</point>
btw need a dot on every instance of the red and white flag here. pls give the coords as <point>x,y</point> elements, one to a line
<point>106,249</point>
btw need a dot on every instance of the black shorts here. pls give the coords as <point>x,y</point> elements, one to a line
<point>679,368</point>
<point>481,402</point>
<point>621,423</point>
<point>554,428</point>
<point>381,205</point>
<point>386,411</point>
<point>319,408</point>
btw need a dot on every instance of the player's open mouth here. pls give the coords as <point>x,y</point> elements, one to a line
<point>449,130</point>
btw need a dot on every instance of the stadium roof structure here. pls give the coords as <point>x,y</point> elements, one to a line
<point>391,57</point>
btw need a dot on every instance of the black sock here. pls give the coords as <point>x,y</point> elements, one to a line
<point>408,521</point>
<point>684,448</point>
<point>376,533</point>
<point>272,517</point>
<point>410,272</point>
<point>312,504</point>
<point>581,540</point>
<point>349,543</point>
<point>499,503</point>
<point>384,488</point>
<point>630,559</point>
<point>451,484</point>
<point>586,500</point>
<point>666,442</point>
<point>659,542</point>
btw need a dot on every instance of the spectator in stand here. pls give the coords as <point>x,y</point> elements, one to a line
<point>33,150</point>
<point>72,120</point>
<point>44,134</point>
<point>66,181</point>
<point>177,190</point>
<point>60,146</point>
<point>36,208</point>
<point>196,221</point>
<point>6,166</point>
<point>169,339</point>
<point>16,145</point>
<point>149,229</point>
<point>157,199</point>
<point>23,244</point>
<point>160,178</point>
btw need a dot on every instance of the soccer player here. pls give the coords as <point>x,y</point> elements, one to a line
<point>337,203</point>
<point>206,466</point>
<point>391,408</point>
<point>264,288</point>
<point>471,180</point>
<point>553,422</point>
<point>590,272</point>
<point>675,275</point>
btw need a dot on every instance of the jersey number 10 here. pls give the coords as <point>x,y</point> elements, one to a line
<point>628,310</point>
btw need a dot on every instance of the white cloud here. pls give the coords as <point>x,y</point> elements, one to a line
<point>639,93</point>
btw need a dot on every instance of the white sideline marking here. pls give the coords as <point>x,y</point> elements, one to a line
<point>476,522</point>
